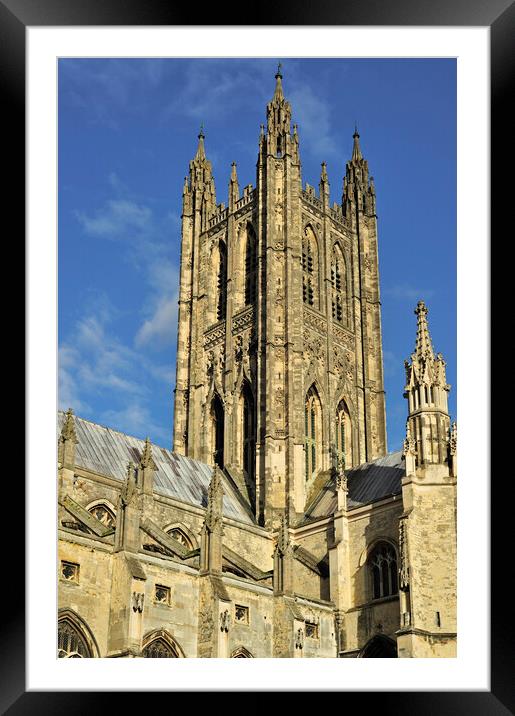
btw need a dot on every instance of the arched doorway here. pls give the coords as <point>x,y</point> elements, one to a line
<point>379,647</point>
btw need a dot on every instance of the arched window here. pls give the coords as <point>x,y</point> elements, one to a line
<point>104,514</point>
<point>217,437</point>
<point>343,436</point>
<point>159,649</point>
<point>338,282</point>
<point>241,653</point>
<point>249,433</point>
<point>221,281</point>
<point>160,645</point>
<point>310,294</point>
<point>312,432</point>
<point>72,641</point>
<point>383,568</point>
<point>250,267</point>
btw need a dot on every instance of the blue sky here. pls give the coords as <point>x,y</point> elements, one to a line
<point>127,130</point>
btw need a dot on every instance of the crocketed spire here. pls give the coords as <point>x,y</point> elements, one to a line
<point>201,152</point>
<point>356,149</point>
<point>423,346</point>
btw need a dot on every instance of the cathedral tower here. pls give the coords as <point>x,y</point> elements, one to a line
<point>279,355</point>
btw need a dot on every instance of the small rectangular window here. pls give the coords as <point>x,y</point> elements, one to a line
<point>162,594</point>
<point>311,630</point>
<point>241,614</point>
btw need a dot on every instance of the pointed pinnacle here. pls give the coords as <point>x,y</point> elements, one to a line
<point>68,429</point>
<point>283,537</point>
<point>146,456</point>
<point>278,94</point>
<point>356,150</point>
<point>423,346</point>
<point>234,175</point>
<point>201,154</point>
<point>323,176</point>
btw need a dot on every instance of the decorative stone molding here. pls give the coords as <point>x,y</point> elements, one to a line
<point>243,319</point>
<point>344,337</point>
<point>315,321</point>
<point>214,335</point>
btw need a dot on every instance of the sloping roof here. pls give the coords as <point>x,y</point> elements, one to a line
<point>367,483</point>
<point>107,451</point>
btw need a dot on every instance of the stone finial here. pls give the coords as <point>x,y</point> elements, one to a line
<point>146,460</point>
<point>279,73</point>
<point>342,487</point>
<point>129,487</point>
<point>234,189</point>
<point>283,536</point>
<point>68,429</point>
<point>323,175</point>
<point>342,482</point>
<point>186,187</point>
<point>214,510</point>
<point>67,441</point>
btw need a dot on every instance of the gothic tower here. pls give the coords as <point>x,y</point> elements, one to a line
<point>279,355</point>
<point>427,534</point>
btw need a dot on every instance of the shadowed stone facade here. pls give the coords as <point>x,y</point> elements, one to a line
<point>278,526</point>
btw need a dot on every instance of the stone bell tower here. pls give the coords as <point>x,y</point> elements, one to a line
<point>279,355</point>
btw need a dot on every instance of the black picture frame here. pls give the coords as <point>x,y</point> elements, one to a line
<point>499,15</point>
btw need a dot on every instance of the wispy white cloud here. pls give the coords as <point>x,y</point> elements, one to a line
<point>149,241</point>
<point>135,419</point>
<point>406,292</point>
<point>93,360</point>
<point>116,219</point>
<point>161,328</point>
<point>214,89</point>
<point>312,113</point>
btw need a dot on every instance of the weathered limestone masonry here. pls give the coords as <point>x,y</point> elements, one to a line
<point>278,527</point>
<point>279,358</point>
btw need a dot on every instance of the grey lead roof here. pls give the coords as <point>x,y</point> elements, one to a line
<point>367,483</point>
<point>108,452</point>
